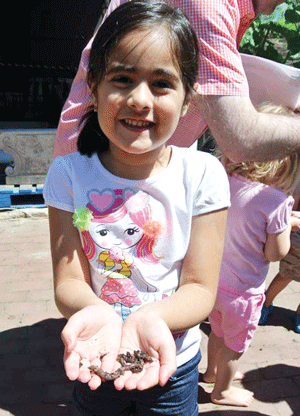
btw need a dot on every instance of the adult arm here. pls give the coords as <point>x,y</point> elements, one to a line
<point>244,134</point>
<point>223,99</point>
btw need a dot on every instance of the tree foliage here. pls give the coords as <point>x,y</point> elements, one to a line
<point>276,37</point>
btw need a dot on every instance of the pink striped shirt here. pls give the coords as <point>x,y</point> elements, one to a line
<point>220,26</point>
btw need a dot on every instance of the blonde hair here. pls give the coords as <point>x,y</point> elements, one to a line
<point>283,174</point>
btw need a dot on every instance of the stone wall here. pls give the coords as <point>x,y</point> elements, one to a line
<point>32,151</point>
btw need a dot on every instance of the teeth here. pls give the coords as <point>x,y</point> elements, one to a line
<point>137,123</point>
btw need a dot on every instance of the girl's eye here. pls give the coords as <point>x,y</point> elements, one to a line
<point>162,84</point>
<point>122,79</point>
<point>103,233</point>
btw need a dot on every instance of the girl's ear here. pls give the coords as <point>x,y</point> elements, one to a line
<point>92,86</point>
<point>186,104</point>
<point>90,83</point>
<point>184,109</point>
<point>93,92</point>
<point>188,99</point>
<point>95,104</point>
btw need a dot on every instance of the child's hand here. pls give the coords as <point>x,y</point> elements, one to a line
<point>89,334</point>
<point>141,332</point>
<point>295,220</point>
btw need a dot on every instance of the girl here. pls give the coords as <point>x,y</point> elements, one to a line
<point>137,226</point>
<point>258,232</point>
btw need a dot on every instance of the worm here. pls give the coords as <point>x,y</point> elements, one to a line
<point>129,362</point>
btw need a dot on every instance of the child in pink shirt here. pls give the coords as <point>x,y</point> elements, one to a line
<point>258,232</point>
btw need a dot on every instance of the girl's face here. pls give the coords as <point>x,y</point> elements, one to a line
<point>141,98</point>
<point>122,234</point>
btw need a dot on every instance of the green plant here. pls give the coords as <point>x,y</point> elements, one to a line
<point>276,37</point>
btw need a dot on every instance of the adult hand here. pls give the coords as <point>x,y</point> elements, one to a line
<point>151,334</point>
<point>88,335</point>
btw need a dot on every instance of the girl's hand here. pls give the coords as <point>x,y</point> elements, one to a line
<point>152,335</point>
<point>88,335</point>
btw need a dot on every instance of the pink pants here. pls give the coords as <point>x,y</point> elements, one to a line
<point>235,317</point>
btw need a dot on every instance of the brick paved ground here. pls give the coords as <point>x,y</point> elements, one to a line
<point>32,380</point>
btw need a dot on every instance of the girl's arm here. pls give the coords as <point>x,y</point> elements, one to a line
<point>150,326</point>
<point>93,327</point>
<point>278,245</point>
<point>70,266</point>
<point>195,297</point>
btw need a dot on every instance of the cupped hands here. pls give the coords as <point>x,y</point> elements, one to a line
<point>95,337</point>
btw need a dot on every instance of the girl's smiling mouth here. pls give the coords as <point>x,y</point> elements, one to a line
<point>136,124</point>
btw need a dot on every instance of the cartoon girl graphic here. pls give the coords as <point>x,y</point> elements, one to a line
<point>116,226</point>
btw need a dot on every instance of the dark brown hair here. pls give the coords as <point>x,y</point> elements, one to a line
<point>130,16</point>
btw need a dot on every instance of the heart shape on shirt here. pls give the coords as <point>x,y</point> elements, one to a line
<point>102,200</point>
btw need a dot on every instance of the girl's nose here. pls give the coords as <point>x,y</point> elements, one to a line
<point>140,98</point>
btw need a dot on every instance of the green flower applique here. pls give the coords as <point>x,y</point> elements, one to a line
<point>82,218</point>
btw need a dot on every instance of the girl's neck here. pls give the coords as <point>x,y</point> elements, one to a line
<point>135,167</point>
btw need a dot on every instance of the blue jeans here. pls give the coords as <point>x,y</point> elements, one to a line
<point>179,397</point>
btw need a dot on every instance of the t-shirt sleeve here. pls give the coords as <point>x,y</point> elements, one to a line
<point>279,219</point>
<point>57,190</point>
<point>212,191</point>
<point>216,24</point>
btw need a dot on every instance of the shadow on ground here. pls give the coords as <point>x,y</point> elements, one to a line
<point>33,380</point>
<point>282,317</point>
<point>271,383</point>
<point>277,383</point>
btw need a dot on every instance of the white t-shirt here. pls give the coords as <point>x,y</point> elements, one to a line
<point>135,233</point>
